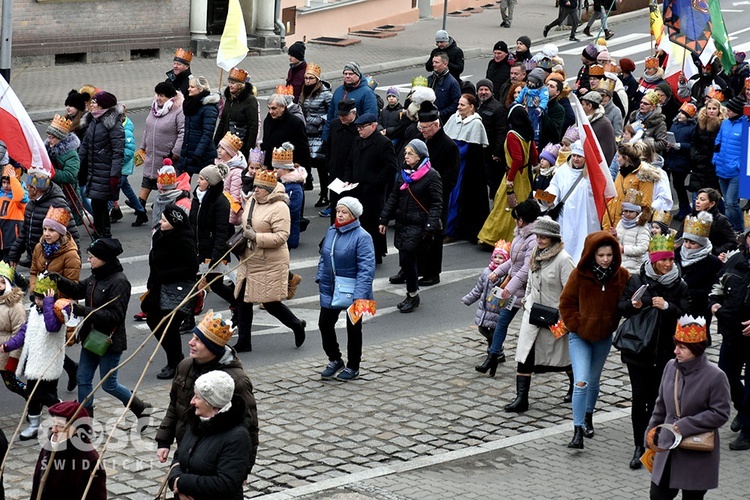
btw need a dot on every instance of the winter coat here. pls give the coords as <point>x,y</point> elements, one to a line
<point>172,259</point>
<point>588,307</point>
<point>700,278</point>
<point>490,111</point>
<point>729,146</point>
<point>614,114</point>
<point>180,82</point>
<point>444,158</point>
<point>678,297</point>
<point>341,141</point>
<point>498,74</point>
<point>239,116</point>
<point>354,257</point>
<point>390,117</point>
<point>11,220</point>
<point>544,286</point>
<point>212,458</point>
<point>265,262</point>
<point>105,283</point>
<point>65,159</point>
<point>233,187</point>
<point>128,165</point>
<point>286,128</point>
<point>455,59</point>
<point>721,235</point>
<point>102,151</point>
<point>173,425</point>
<point>517,266</point>
<point>162,137</point>
<point>702,149</point>
<point>487,313</point>
<point>447,93</point>
<point>414,226</point>
<point>654,128</point>
<point>12,318</point>
<point>296,78</point>
<point>315,108</point>
<point>43,344</point>
<point>364,100</point>
<point>36,211</point>
<point>605,134</point>
<point>180,196</point>
<point>69,474</point>
<point>703,395</point>
<point>66,261</point>
<point>552,124</point>
<point>643,179</point>
<point>198,149</point>
<point>294,181</point>
<point>210,222</point>
<point>635,245</point>
<point>373,164</point>
<point>732,291</point>
<point>678,160</point>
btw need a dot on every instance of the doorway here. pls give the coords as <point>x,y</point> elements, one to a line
<point>216,16</point>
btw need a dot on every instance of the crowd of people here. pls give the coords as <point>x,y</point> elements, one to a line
<point>498,164</point>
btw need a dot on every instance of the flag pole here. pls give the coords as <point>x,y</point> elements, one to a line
<point>221,77</point>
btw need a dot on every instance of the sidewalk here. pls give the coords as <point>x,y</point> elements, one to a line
<point>43,90</point>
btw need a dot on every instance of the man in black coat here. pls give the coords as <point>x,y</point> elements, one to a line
<point>446,43</point>
<point>179,75</point>
<point>338,145</point>
<point>372,163</point>
<point>498,69</point>
<point>281,126</point>
<point>490,110</point>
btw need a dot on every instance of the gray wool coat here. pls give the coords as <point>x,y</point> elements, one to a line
<point>703,392</point>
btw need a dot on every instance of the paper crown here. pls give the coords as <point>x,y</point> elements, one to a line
<point>62,123</point>
<point>419,81</point>
<point>747,83</point>
<point>652,97</point>
<point>266,179</point>
<point>314,69</point>
<point>634,197</point>
<point>596,70</point>
<point>256,155</point>
<point>690,330</point>
<point>37,177</point>
<point>601,41</point>
<point>43,285</point>
<point>215,329</point>
<point>529,64</point>
<point>698,226</point>
<point>63,310</point>
<point>59,216</point>
<point>238,75</point>
<point>283,156</point>
<point>6,271</point>
<point>610,67</point>
<point>661,243</point>
<point>183,56</point>
<point>662,216</point>
<point>550,153</point>
<point>571,135</point>
<point>284,90</point>
<point>231,143</point>
<point>689,109</point>
<point>503,245</point>
<point>607,86</point>
<point>715,93</point>
<point>652,62</point>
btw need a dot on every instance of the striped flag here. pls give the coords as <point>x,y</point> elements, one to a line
<point>233,44</point>
<point>598,170</point>
<point>21,137</point>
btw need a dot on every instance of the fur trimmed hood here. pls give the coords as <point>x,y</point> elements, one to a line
<point>278,194</point>
<point>297,175</point>
<point>13,297</point>
<point>647,173</point>
<point>113,116</point>
<point>212,98</point>
<point>71,142</point>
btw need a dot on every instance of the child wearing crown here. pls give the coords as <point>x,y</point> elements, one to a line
<point>293,177</point>
<point>62,147</point>
<point>230,154</point>
<point>487,309</point>
<point>172,189</point>
<point>632,232</point>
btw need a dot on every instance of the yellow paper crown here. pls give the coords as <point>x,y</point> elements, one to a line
<point>606,85</point>
<point>265,178</point>
<point>284,90</point>
<point>215,329</point>
<point>419,81</point>
<point>698,226</point>
<point>238,75</point>
<point>43,285</point>
<point>662,216</point>
<point>652,97</point>
<point>6,271</point>
<point>690,330</point>
<point>62,123</point>
<point>634,197</point>
<point>661,243</point>
<point>231,143</point>
<point>314,69</point>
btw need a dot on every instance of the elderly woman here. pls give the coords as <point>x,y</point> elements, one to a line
<point>416,203</point>
<point>588,308</point>
<point>281,126</point>
<point>347,251</point>
<point>539,350</point>
<point>212,458</point>
<point>520,155</point>
<point>667,294</point>
<point>468,205</point>
<point>693,399</point>
<point>649,117</point>
<point>239,114</point>
<point>163,136</point>
<point>201,109</point>
<point>315,99</point>
<point>263,273</point>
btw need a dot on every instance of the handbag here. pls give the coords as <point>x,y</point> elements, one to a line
<point>544,316</point>
<point>237,243</point>
<point>343,287</point>
<point>172,295</point>
<point>636,334</point>
<point>703,441</point>
<point>98,342</point>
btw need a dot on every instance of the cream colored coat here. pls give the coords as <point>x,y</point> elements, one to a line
<point>12,318</point>
<point>265,265</point>
<point>545,286</point>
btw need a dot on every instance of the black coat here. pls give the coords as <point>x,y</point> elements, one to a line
<point>498,74</point>
<point>414,226</point>
<point>172,258</point>
<point>700,278</point>
<point>210,221</point>
<point>102,151</point>
<point>372,163</point>
<point>701,156</point>
<point>390,118</point>
<point>212,457</point>
<point>105,283</point>
<point>490,111</point>
<point>340,142</point>
<point>721,234</point>
<point>734,281</point>
<point>33,218</point>
<point>286,128</point>
<point>180,82</point>
<point>455,59</point>
<point>445,160</point>
<point>240,117</point>
<point>198,149</point>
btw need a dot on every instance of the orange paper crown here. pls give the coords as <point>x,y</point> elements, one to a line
<point>610,67</point>
<point>503,245</point>
<point>183,56</point>
<point>715,93</point>
<point>62,123</point>
<point>652,62</point>
<point>284,90</point>
<point>283,156</point>
<point>314,69</point>
<point>231,143</point>
<point>690,330</point>
<point>59,215</point>
<point>596,70</point>
<point>167,177</point>
<point>266,179</point>
<point>215,329</point>
<point>238,75</point>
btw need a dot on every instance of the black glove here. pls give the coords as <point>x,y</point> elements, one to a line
<point>78,309</point>
<point>56,277</point>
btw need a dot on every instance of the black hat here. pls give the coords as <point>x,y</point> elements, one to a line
<point>365,119</point>
<point>77,100</point>
<point>501,46</point>
<point>106,249</point>
<point>428,112</point>
<point>176,216</point>
<point>735,104</point>
<point>345,106</point>
<point>297,50</point>
<point>525,40</point>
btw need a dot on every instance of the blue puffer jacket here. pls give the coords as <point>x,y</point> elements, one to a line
<point>354,256</point>
<point>678,160</point>
<point>729,148</point>
<point>293,181</point>
<point>198,149</point>
<point>127,161</point>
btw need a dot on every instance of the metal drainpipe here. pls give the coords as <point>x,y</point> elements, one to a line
<point>277,22</point>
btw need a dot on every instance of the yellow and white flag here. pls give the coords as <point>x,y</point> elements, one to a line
<point>233,44</point>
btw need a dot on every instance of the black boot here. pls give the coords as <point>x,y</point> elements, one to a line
<point>635,462</point>
<point>187,325</point>
<point>569,396</point>
<point>490,363</point>
<point>588,431</point>
<point>521,403</point>
<point>322,201</point>
<point>398,279</point>
<point>71,369</point>
<point>410,303</point>
<point>142,412</point>
<point>140,219</point>
<point>299,333</point>
<point>115,215</point>
<point>577,441</point>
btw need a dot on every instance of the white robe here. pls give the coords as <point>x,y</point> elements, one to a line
<point>579,216</point>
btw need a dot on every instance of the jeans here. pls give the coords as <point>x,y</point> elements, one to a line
<point>501,329</point>
<point>730,189</point>
<point>85,200</point>
<point>326,323</point>
<point>127,190</point>
<point>597,14</point>
<point>588,360</point>
<point>87,367</point>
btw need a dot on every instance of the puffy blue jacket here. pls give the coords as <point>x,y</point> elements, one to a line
<point>198,149</point>
<point>354,257</point>
<point>678,160</point>
<point>127,160</point>
<point>729,148</point>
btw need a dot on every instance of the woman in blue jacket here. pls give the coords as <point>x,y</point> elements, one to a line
<point>727,159</point>
<point>347,249</point>
<point>201,110</point>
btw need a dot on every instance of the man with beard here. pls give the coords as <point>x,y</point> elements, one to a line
<point>338,145</point>
<point>490,111</point>
<point>179,75</point>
